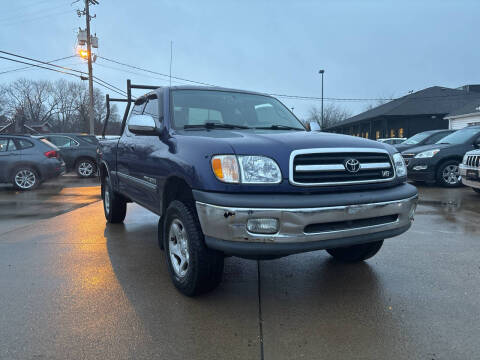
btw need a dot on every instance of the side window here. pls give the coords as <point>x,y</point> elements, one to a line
<point>62,141</point>
<point>23,144</point>
<point>138,108</point>
<point>3,145</point>
<point>11,145</point>
<point>152,108</point>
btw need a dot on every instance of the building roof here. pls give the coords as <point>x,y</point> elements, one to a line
<point>433,100</point>
<point>472,107</point>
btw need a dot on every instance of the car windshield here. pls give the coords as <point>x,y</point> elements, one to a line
<point>415,139</point>
<point>460,136</point>
<point>228,109</point>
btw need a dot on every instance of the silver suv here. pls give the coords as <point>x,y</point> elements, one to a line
<point>470,170</point>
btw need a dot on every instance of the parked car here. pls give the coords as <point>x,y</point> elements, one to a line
<point>78,151</point>
<point>424,138</point>
<point>235,173</point>
<point>392,141</point>
<point>26,162</point>
<point>470,170</point>
<point>439,162</point>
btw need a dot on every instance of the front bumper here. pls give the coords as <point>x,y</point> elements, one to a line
<point>352,220</point>
<point>468,182</point>
<point>426,172</point>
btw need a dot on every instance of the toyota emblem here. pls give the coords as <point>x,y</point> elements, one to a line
<point>352,165</point>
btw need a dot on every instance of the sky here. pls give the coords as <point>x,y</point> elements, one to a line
<point>368,49</point>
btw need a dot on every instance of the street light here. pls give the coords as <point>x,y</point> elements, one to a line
<point>321,72</point>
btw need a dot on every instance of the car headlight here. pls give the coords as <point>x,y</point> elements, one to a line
<point>400,166</point>
<point>464,161</point>
<point>427,154</point>
<point>248,169</point>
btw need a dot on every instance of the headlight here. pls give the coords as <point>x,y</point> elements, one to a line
<point>400,166</point>
<point>225,168</point>
<point>248,169</point>
<point>464,161</point>
<point>259,169</point>
<point>427,154</point>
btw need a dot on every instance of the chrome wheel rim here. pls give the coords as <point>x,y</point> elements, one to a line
<point>85,168</point>
<point>106,199</point>
<point>25,179</point>
<point>451,174</point>
<point>178,248</point>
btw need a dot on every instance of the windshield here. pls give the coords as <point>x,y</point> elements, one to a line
<point>460,136</point>
<point>415,139</point>
<point>228,109</point>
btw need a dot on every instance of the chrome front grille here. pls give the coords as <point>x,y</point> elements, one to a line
<point>473,160</point>
<point>340,166</point>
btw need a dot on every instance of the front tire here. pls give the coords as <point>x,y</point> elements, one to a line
<point>114,205</point>
<point>194,268</point>
<point>356,253</point>
<point>448,174</point>
<point>86,168</point>
<point>25,179</point>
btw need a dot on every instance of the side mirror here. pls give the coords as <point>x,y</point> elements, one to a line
<point>314,126</point>
<point>142,125</point>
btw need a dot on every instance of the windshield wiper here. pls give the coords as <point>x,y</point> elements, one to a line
<point>278,127</point>
<point>443,143</point>
<point>212,125</point>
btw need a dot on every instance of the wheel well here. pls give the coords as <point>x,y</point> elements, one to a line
<point>456,158</point>
<point>85,158</point>
<point>33,166</point>
<point>176,189</point>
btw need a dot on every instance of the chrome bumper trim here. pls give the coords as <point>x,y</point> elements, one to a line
<point>229,223</point>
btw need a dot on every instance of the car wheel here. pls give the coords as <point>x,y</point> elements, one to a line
<point>356,253</point>
<point>477,190</point>
<point>193,268</point>
<point>25,178</point>
<point>448,174</point>
<point>114,205</point>
<point>86,168</point>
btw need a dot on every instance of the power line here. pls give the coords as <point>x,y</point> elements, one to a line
<point>16,21</point>
<point>43,67</point>
<point>155,72</point>
<point>28,67</point>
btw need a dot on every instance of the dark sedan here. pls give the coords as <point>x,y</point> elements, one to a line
<point>440,162</point>
<point>78,151</point>
<point>26,162</point>
<point>423,138</point>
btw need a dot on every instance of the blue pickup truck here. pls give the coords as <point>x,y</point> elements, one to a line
<point>235,173</point>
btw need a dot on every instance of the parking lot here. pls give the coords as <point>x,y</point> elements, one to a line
<point>74,287</point>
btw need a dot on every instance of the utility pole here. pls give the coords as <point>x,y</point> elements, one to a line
<point>321,72</point>
<point>91,114</point>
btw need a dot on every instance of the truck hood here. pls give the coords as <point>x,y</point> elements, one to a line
<point>263,142</point>
<point>276,144</point>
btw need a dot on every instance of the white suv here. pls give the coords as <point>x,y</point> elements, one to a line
<point>470,170</point>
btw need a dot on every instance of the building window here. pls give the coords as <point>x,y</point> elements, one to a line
<point>400,132</point>
<point>366,135</point>
<point>377,135</point>
<point>392,133</point>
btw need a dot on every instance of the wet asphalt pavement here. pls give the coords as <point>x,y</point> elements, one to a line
<point>72,287</point>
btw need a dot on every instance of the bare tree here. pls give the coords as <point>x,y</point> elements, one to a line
<point>380,101</point>
<point>64,104</point>
<point>332,114</point>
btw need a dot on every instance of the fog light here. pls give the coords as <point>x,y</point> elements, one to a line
<point>420,167</point>
<point>262,226</point>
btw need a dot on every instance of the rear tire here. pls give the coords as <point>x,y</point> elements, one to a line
<point>356,253</point>
<point>86,168</point>
<point>194,268</point>
<point>448,174</point>
<point>25,179</point>
<point>114,205</point>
